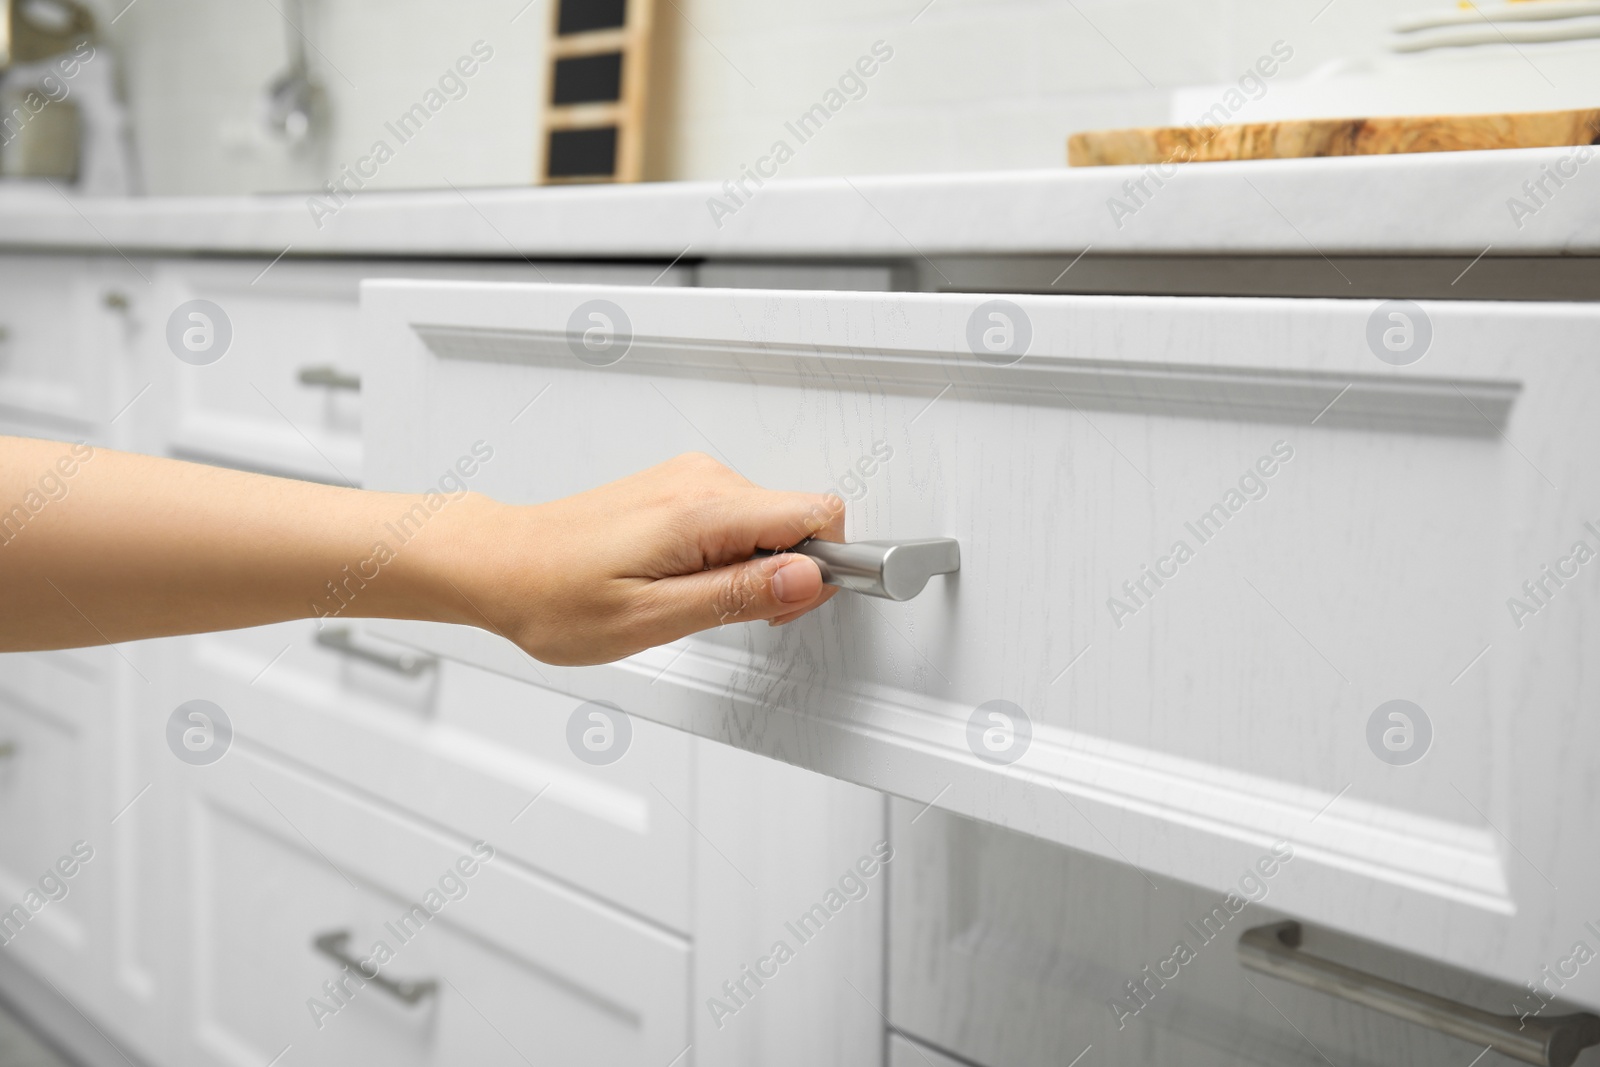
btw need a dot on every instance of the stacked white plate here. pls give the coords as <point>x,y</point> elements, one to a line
<point>1533,55</point>
<point>1528,22</point>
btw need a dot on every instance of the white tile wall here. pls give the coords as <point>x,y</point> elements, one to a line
<point>974,84</point>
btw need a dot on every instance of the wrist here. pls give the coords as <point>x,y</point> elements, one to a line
<point>452,574</point>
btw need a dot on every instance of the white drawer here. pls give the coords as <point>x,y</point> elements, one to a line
<point>54,364</point>
<point>283,396</point>
<point>1369,522</point>
<point>474,752</point>
<point>1010,952</point>
<point>50,703</point>
<point>242,403</point>
<point>524,969</point>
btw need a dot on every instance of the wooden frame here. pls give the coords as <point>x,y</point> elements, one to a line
<point>624,115</point>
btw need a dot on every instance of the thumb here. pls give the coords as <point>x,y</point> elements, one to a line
<point>756,589</point>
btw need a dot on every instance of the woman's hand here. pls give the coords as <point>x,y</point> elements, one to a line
<point>640,562</point>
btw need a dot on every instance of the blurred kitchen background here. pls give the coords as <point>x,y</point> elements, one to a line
<point>972,85</point>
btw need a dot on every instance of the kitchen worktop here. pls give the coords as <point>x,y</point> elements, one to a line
<point>1435,204</point>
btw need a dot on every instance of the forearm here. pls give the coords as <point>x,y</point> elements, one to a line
<point>99,546</point>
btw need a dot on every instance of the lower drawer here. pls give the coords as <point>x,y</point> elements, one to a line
<point>504,967</point>
<point>468,750</point>
<point>49,704</point>
<point>1008,951</point>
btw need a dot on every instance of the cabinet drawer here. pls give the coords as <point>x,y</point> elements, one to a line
<point>49,704</point>
<point>283,395</point>
<point>238,397</point>
<point>1010,952</point>
<point>1205,544</point>
<point>522,969</point>
<point>478,753</point>
<point>50,366</point>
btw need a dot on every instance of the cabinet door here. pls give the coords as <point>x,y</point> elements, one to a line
<point>1206,543</point>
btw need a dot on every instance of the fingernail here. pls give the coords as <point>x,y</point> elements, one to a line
<point>787,583</point>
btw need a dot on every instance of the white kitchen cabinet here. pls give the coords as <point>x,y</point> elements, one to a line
<point>1367,524</point>
<point>520,968</point>
<point>273,381</point>
<point>704,848</point>
<point>478,753</point>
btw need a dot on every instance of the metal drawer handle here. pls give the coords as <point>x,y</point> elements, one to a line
<point>1553,1042</point>
<point>330,377</point>
<point>342,639</point>
<point>893,570</point>
<point>331,945</point>
<point>7,749</point>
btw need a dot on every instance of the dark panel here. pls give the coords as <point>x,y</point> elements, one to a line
<point>588,79</point>
<point>581,16</point>
<point>582,153</point>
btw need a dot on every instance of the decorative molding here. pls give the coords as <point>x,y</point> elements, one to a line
<point>1448,860</point>
<point>1459,407</point>
<point>717,693</point>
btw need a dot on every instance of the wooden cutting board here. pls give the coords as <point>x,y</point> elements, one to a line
<point>1333,137</point>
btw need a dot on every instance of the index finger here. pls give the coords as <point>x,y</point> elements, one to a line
<point>752,519</point>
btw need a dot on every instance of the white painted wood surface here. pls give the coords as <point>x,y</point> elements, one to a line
<point>1007,950</point>
<point>1230,711</point>
<point>50,368</point>
<point>274,858</point>
<point>467,749</point>
<point>388,766</point>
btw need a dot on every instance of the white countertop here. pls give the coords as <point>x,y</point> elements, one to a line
<point>1442,203</point>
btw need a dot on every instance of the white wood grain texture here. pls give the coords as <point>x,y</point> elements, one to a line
<point>773,842</point>
<point>1231,711</point>
<point>528,970</point>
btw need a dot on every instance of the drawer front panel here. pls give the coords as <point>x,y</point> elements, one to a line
<point>49,703</point>
<point>522,970</point>
<point>1005,950</point>
<point>49,366</point>
<point>1205,543</point>
<point>282,394</point>
<point>475,752</point>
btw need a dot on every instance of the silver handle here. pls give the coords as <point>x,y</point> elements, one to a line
<point>7,749</point>
<point>893,570</point>
<point>331,945</point>
<point>330,377</point>
<point>1552,1042</point>
<point>342,639</point>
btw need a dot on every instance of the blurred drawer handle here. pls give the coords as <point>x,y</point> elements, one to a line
<point>1552,1042</point>
<point>331,945</point>
<point>7,749</point>
<point>330,377</point>
<point>893,570</point>
<point>342,639</point>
